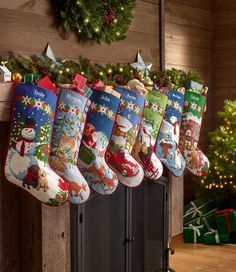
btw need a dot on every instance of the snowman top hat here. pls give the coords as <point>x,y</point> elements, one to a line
<point>29,123</point>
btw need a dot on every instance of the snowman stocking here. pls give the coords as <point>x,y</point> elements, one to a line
<point>196,161</point>
<point>95,140</point>
<point>144,146</point>
<point>29,145</point>
<point>168,139</point>
<point>125,131</point>
<point>67,134</point>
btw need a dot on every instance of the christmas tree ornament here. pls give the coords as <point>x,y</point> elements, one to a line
<point>95,140</point>
<point>29,145</point>
<point>67,133</point>
<point>125,131</point>
<point>144,148</point>
<point>17,77</point>
<point>196,161</point>
<point>168,139</point>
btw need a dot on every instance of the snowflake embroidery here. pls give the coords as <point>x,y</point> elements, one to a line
<point>193,106</point>
<point>122,103</point>
<point>61,106</point>
<point>26,100</point>
<point>176,105</point>
<point>169,102</point>
<point>38,104</point>
<point>93,106</point>
<point>155,107</point>
<point>109,113</point>
<point>72,110</point>
<point>146,103</point>
<point>130,106</point>
<point>103,109</point>
<point>47,108</point>
<point>136,109</point>
<point>186,104</point>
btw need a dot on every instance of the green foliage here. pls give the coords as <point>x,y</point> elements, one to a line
<point>220,183</point>
<point>43,142</point>
<point>111,74</point>
<point>16,131</point>
<point>96,20</point>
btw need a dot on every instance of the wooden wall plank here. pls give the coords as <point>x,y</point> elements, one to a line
<point>21,25</point>
<point>56,238</point>
<point>9,214</point>
<point>189,16</point>
<point>200,4</point>
<point>188,36</point>
<point>186,55</point>
<point>219,5</point>
<point>224,19</point>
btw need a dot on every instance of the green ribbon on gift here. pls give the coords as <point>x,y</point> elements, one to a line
<point>196,231</point>
<point>217,238</point>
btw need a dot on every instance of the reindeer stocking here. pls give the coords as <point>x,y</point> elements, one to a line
<point>196,161</point>
<point>29,145</point>
<point>95,140</point>
<point>125,131</point>
<point>168,139</point>
<point>144,148</point>
<point>67,133</point>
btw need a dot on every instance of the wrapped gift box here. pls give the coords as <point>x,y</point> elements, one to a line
<point>28,78</point>
<point>226,224</point>
<point>194,234</point>
<point>207,219</point>
<point>195,209</point>
<point>211,237</point>
<point>194,86</point>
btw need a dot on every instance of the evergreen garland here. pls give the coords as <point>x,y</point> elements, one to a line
<point>111,74</point>
<point>97,20</point>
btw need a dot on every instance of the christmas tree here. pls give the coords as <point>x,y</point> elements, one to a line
<point>16,130</point>
<point>220,183</point>
<point>43,141</point>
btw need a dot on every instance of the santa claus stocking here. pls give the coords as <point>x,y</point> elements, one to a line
<point>144,148</point>
<point>67,134</point>
<point>29,145</point>
<point>194,106</point>
<point>168,139</point>
<point>125,131</point>
<point>95,140</point>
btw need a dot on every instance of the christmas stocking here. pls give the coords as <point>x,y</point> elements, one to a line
<point>125,131</point>
<point>67,133</point>
<point>29,145</point>
<point>196,161</point>
<point>144,146</point>
<point>168,139</point>
<point>95,140</point>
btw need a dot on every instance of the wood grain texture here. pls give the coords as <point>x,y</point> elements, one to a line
<point>9,214</point>
<point>179,13</point>
<point>223,56</point>
<point>24,19</point>
<point>176,204</point>
<point>200,257</point>
<point>56,238</point>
